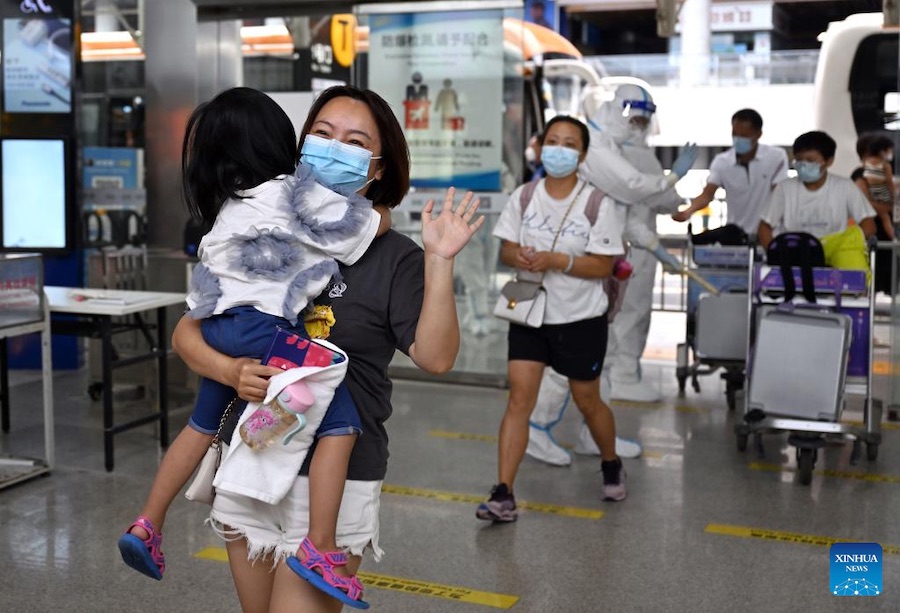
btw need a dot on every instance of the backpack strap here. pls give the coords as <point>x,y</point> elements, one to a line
<point>527,194</point>
<point>806,271</point>
<point>591,209</point>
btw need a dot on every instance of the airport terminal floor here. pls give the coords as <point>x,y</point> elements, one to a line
<point>705,528</point>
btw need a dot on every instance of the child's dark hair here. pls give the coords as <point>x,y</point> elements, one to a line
<point>236,141</point>
<point>862,145</point>
<point>815,141</point>
<point>585,135</point>
<point>878,143</point>
<point>749,116</point>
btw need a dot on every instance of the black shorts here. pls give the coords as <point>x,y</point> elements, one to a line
<point>574,350</point>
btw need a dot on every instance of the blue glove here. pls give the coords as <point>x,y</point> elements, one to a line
<point>670,262</point>
<point>685,160</point>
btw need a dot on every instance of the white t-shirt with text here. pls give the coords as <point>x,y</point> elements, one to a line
<point>569,298</point>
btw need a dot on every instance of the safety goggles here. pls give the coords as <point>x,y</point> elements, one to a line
<point>645,106</point>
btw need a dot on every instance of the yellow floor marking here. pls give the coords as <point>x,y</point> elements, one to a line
<point>463,436</point>
<point>784,537</point>
<point>488,438</point>
<point>627,404</point>
<point>551,509</point>
<point>216,554</point>
<point>885,425</point>
<point>407,586</point>
<point>842,474</point>
<point>438,590</point>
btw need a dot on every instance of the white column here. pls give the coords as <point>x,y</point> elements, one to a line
<point>695,42</point>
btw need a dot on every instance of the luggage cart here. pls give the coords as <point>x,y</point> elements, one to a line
<point>716,331</point>
<point>788,392</point>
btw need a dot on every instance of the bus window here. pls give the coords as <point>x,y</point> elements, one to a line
<point>873,78</point>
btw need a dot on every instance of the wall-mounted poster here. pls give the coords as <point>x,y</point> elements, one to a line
<point>37,65</point>
<point>442,73</point>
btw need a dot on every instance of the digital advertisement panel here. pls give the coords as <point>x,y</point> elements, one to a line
<point>442,73</point>
<point>37,65</point>
<point>34,218</point>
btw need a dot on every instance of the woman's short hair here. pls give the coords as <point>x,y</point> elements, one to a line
<point>238,140</point>
<point>394,183</point>
<point>585,135</point>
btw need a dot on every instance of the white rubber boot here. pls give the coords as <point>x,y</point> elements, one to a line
<point>639,391</point>
<point>541,446</point>
<point>625,448</point>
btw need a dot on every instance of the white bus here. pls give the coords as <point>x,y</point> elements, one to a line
<point>856,84</point>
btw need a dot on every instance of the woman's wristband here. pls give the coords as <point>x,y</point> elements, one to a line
<point>569,266</point>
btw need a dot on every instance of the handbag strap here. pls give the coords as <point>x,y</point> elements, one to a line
<point>228,409</point>
<point>563,222</point>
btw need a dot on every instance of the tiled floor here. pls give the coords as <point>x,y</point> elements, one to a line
<point>704,529</point>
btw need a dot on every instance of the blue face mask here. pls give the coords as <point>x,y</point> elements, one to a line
<point>808,172</point>
<point>340,166</point>
<point>559,161</point>
<point>742,144</point>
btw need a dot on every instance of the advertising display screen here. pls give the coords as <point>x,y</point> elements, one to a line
<point>33,209</point>
<point>37,65</point>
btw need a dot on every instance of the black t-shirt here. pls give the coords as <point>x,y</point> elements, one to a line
<point>376,309</point>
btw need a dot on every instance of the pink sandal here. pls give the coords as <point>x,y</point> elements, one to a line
<point>346,589</point>
<point>144,556</point>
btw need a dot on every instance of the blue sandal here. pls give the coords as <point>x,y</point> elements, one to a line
<point>346,589</point>
<point>144,556</point>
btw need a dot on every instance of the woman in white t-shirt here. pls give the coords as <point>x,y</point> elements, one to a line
<point>572,339</point>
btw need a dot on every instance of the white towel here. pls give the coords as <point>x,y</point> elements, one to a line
<point>268,474</point>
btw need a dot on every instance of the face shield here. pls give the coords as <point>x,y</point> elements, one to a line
<point>628,116</point>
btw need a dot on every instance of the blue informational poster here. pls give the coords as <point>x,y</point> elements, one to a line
<point>442,73</point>
<point>112,167</point>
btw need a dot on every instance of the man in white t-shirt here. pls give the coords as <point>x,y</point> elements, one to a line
<point>815,201</point>
<point>748,172</point>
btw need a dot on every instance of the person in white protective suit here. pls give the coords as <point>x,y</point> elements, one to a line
<point>620,163</point>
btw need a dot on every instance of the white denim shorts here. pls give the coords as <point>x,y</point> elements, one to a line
<point>278,529</point>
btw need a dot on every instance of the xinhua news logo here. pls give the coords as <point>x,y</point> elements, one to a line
<point>856,569</point>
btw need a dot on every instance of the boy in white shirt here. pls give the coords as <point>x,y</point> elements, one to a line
<point>815,201</point>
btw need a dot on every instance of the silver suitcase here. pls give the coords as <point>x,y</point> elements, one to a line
<point>721,328</point>
<point>799,364</point>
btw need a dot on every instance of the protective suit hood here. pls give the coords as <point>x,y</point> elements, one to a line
<point>612,117</point>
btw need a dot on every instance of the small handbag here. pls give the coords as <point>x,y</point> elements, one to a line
<point>524,302</point>
<point>201,488</point>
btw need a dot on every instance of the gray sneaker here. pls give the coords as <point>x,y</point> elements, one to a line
<point>500,507</point>
<point>613,480</point>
